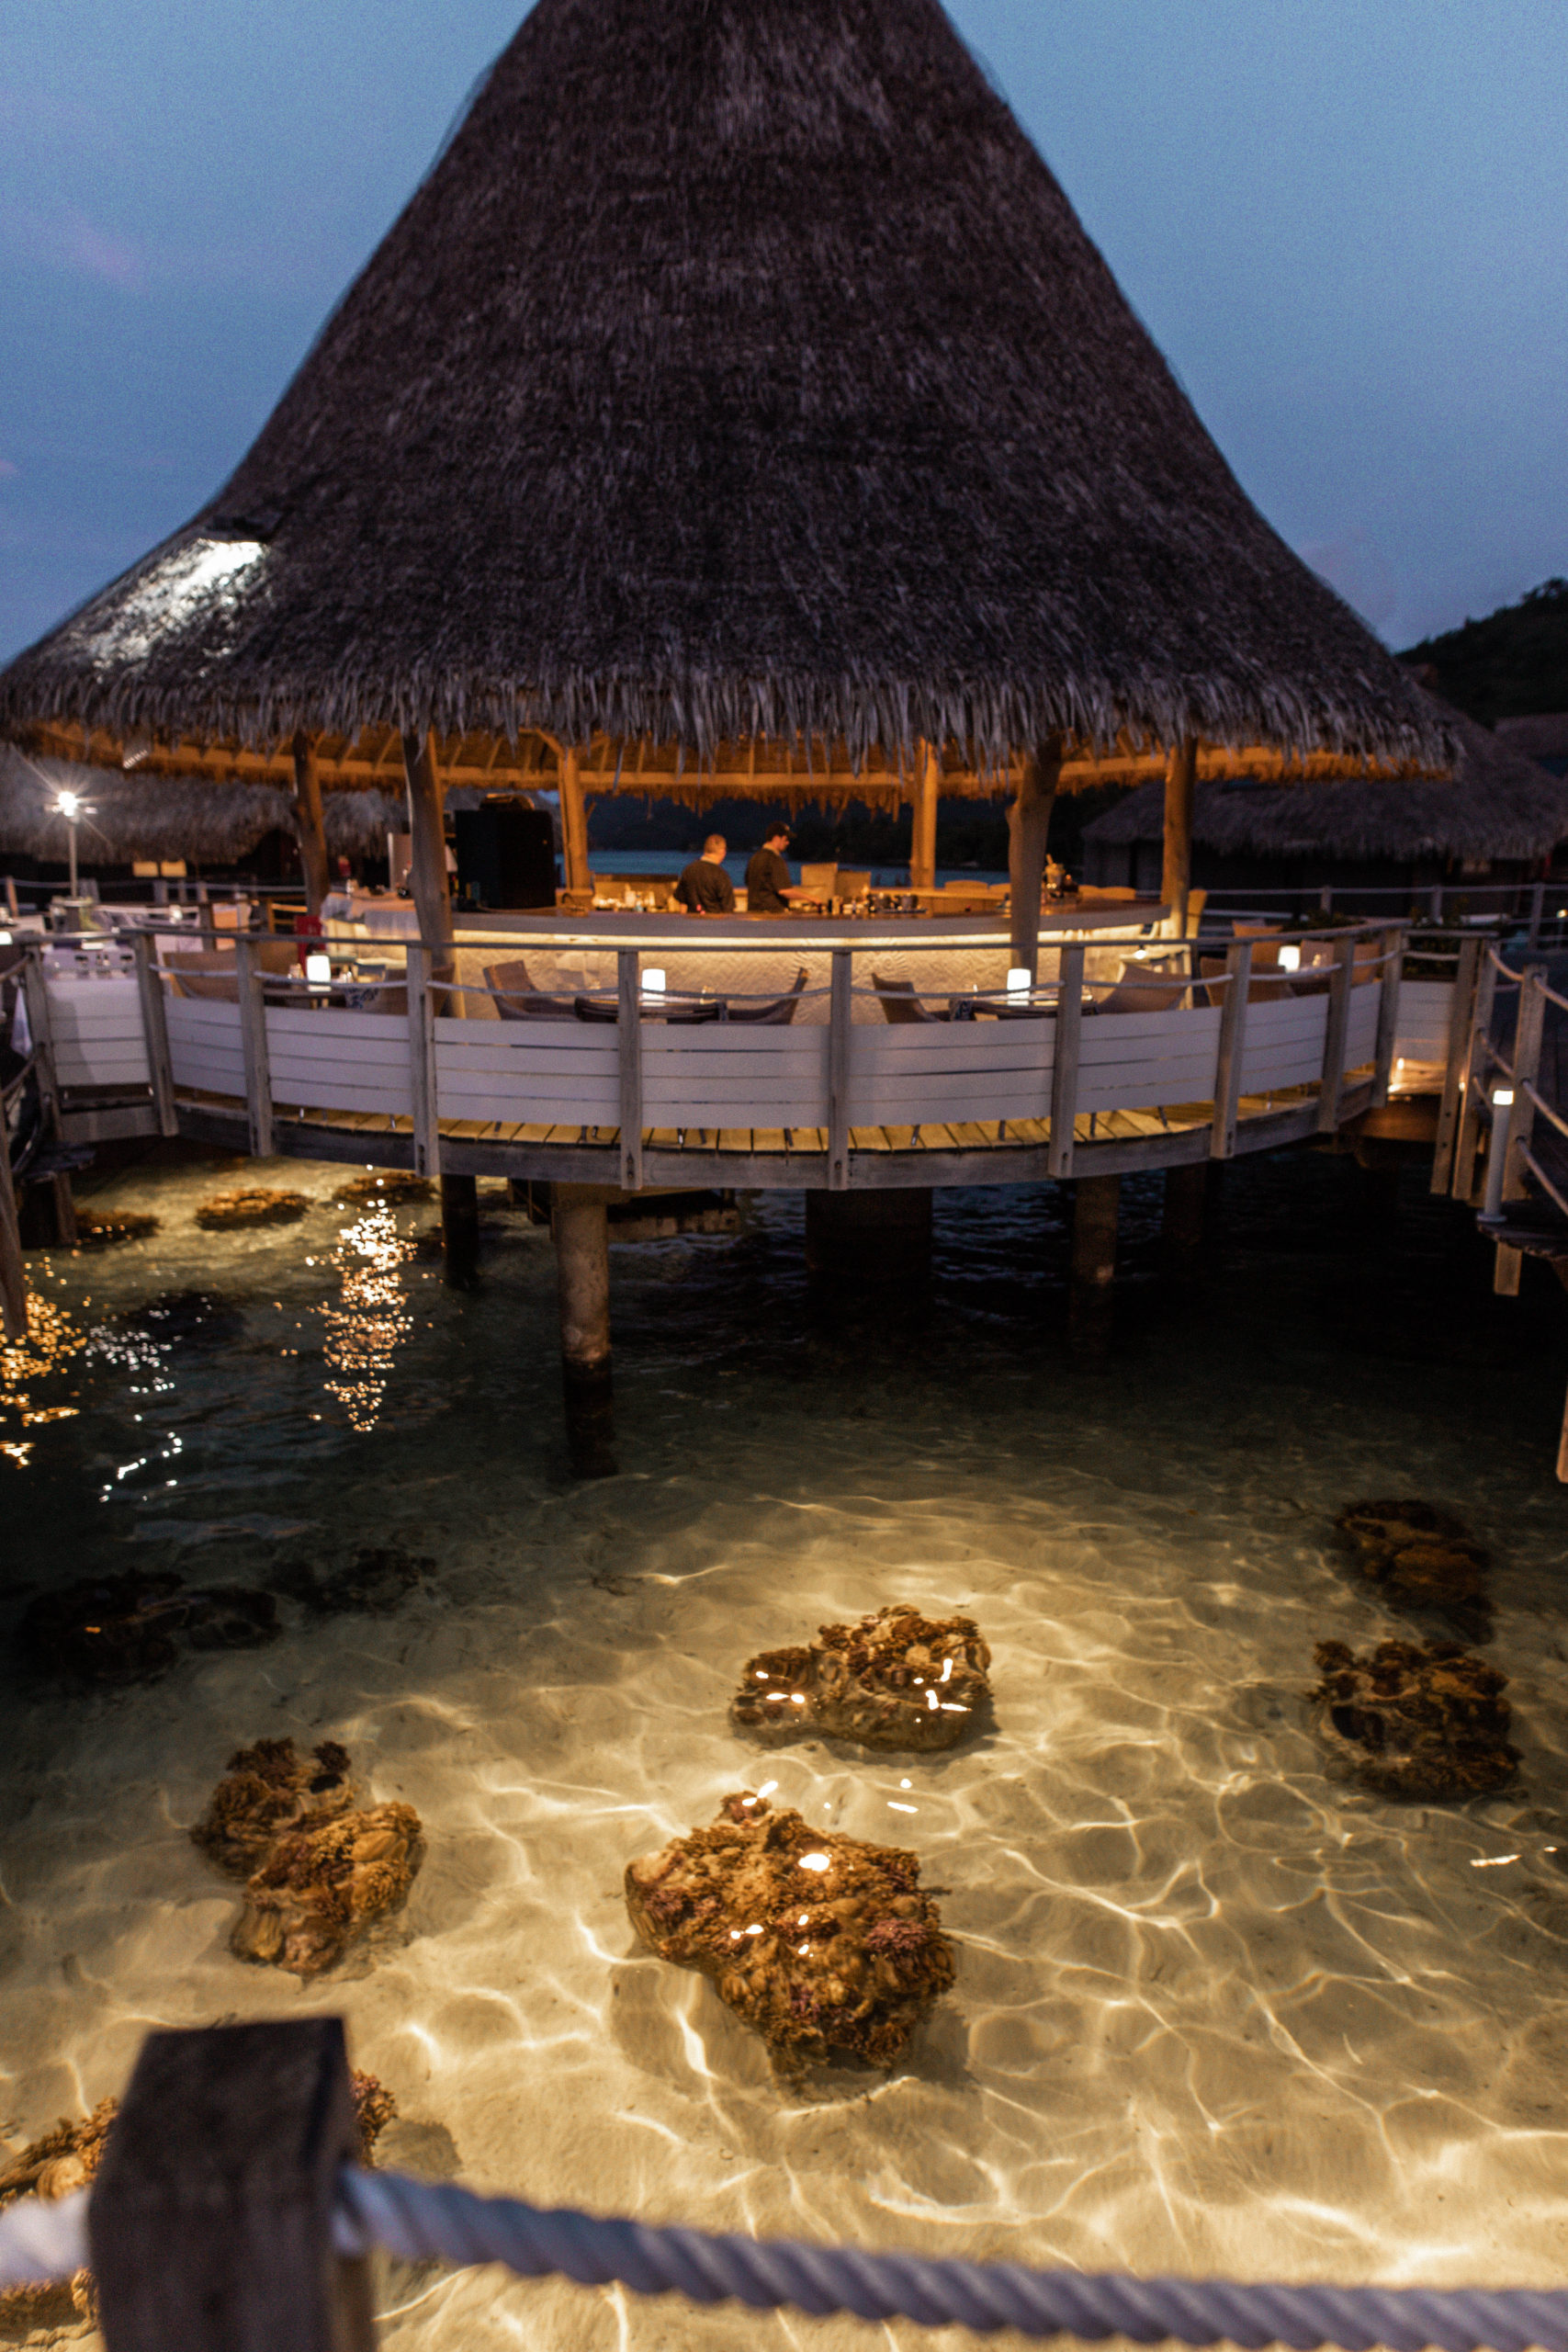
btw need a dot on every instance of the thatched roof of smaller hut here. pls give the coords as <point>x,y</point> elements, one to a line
<point>135,816</point>
<point>1499,806</point>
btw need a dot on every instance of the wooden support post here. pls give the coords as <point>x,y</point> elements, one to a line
<point>922,841</point>
<point>840,1010</point>
<point>13,1276</point>
<point>1336,1036</point>
<point>1029,828</point>
<point>422,1065</point>
<point>1528,1037</point>
<point>1459,1014</point>
<point>1477,1059</point>
<point>1181,798</point>
<point>36,995</point>
<point>1187,1195</point>
<point>460,1231</point>
<point>1096,1207</point>
<point>1064,1062</point>
<point>575,869</point>
<point>628,1038</point>
<point>210,2225</point>
<point>253,1044</point>
<point>155,1030</point>
<point>583,1265</point>
<point>1391,974</point>
<point>310,824</point>
<point>427,844</point>
<point>1232,1050</point>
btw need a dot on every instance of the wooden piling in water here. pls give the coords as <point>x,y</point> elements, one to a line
<point>580,1226</point>
<point>1188,1193</point>
<point>460,1230</point>
<point>1097,1202</point>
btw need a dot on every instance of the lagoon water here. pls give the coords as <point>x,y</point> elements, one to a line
<point>1214,2011</point>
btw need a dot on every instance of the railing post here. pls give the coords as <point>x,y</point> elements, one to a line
<point>35,997</point>
<point>155,1030</point>
<point>1233,1045</point>
<point>422,1065</point>
<point>1389,980</point>
<point>1453,1066</point>
<point>840,1019</point>
<point>253,1044</point>
<point>628,1037</point>
<point>1065,1061</point>
<point>1537,908</point>
<point>1337,1036</point>
<point>1469,1139</point>
<point>210,2226</point>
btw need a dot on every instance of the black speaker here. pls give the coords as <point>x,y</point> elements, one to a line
<point>506,855</point>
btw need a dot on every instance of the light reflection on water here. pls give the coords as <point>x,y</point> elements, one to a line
<point>1212,2013</point>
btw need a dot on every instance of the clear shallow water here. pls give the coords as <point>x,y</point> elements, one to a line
<point>1213,2012</point>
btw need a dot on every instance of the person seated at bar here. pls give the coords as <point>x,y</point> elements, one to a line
<point>769,888</point>
<point>705,888</point>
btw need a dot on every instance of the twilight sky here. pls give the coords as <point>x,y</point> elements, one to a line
<point>1345,221</point>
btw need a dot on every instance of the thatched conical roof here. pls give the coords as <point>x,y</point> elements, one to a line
<point>1499,806</point>
<point>739,369</point>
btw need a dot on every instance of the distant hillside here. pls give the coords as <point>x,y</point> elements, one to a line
<point>1510,665</point>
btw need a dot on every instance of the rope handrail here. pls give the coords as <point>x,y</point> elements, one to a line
<point>417,2222</point>
<point>1548,1110</point>
<point>1538,1172</point>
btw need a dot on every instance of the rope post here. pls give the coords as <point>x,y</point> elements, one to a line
<point>210,2224</point>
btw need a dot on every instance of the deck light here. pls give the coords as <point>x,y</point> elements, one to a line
<point>1497,1151</point>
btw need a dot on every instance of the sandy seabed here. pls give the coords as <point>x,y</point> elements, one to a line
<point>1214,2012</point>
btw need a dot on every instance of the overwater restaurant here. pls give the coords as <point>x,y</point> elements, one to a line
<point>920,1783</point>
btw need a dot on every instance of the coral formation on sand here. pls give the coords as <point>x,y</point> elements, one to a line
<point>62,2160</point>
<point>390,1188</point>
<point>126,1627</point>
<point>101,1228</point>
<point>68,2157</point>
<point>198,1318</point>
<point>372,1582</point>
<point>894,1679</point>
<point>1413,1722</point>
<point>318,1866</point>
<point>1423,1561</point>
<point>823,1944</point>
<point>250,1205</point>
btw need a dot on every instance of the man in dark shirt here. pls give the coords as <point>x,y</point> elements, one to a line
<point>769,888</point>
<point>705,888</point>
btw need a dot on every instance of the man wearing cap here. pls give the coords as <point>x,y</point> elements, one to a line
<point>769,888</point>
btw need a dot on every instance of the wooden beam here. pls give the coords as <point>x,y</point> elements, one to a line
<point>310,824</point>
<point>922,841</point>
<point>427,841</point>
<point>574,824</point>
<point>1029,825</point>
<point>1180,795</point>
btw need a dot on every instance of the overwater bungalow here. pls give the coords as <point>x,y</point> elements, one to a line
<point>795,441</point>
<point>1502,817</point>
